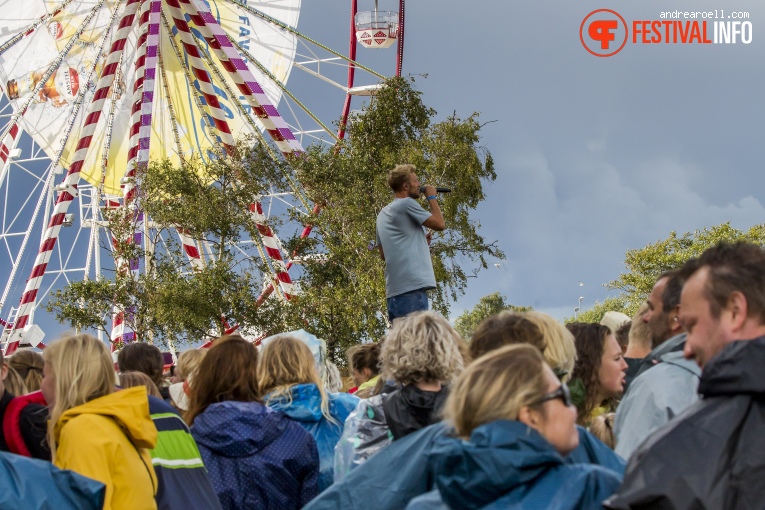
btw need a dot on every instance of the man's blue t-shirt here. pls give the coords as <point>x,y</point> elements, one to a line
<point>407,256</point>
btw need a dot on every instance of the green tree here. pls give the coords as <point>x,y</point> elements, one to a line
<point>644,265</point>
<point>343,298</point>
<point>341,280</point>
<point>171,301</point>
<point>596,313</point>
<point>487,306</point>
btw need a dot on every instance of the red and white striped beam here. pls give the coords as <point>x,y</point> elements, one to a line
<point>69,186</point>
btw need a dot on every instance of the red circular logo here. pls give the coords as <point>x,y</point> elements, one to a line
<point>600,32</point>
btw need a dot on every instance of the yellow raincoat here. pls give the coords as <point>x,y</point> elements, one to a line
<point>107,439</point>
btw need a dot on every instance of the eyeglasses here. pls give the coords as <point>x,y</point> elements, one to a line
<point>562,393</point>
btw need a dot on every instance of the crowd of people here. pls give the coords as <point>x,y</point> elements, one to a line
<point>662,410</point>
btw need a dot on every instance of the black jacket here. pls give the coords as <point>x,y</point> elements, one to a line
<point>410,409</point>
<point>711,456</point>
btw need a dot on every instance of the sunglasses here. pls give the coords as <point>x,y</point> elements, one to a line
<point>562,393</point>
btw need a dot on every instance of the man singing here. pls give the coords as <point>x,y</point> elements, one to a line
<point>403,244</point>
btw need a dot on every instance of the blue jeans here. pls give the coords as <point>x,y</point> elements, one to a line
<point>403,304</point>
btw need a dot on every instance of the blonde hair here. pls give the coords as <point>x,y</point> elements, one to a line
<point>286,362</point>
<point>560,349</point>
<point>134,378</point>
<point>495,387</point>
<point>399,175</point>
<point>29,365</point>
<point>14,383</point>
<point>83,370</point>
<point>420,347</point>
<point>188,363</point>
<point>640,333</point>
<point>602,427</point>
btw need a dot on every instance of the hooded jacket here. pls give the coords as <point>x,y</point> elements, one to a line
<point>409,472</point>
<point>711,456</point>
<point>507,464</point>
<point>378,421</point>
<point>256,457</point>
<point>183,480</point>
<point>108,439</point>
<point>31,484</point>
<point>305,409</point>
<point>654,398</point>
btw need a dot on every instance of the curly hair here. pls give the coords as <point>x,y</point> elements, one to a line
<point>421,347</point>
<point>590,342</point>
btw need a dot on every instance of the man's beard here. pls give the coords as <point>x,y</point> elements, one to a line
<point>659,337</point>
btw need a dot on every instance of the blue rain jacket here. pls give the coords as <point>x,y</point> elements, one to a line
<point>403,470</point>
<point>305,409</point>
<point>507,464</point>
<point>31,484</point>
<point>256,457</point>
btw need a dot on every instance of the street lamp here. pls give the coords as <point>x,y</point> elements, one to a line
<point>579,307</point>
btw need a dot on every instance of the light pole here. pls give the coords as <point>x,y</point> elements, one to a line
<point>579,307</point>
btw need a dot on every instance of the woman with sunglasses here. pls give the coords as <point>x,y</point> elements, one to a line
<point>517,422</point>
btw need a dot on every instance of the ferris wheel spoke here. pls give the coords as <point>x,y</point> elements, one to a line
<point>69,186</point>
<point>203,77</point>
<point>196,94</point>
<point>284,89</point>
<point>253,93</point>
<point>168,98</point>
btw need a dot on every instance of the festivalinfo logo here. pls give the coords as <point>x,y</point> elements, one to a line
<point>604,32</point>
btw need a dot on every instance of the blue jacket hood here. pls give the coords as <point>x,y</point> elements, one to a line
<point>500,456</point>
<point>305,404</point>
<point>238,429</point>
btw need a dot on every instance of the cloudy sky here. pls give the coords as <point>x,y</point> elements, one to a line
<point>594,156</point>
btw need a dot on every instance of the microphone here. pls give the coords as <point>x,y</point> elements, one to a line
<point>438,190</point>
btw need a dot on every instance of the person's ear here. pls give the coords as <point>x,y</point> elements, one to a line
<point>4,371</point>
<point>738,309</point>
<point>674,319</point>
<point>529,416</point>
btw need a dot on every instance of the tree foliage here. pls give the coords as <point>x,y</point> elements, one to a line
<point>341,280</point>
<point>644,265</point>
<point>171,301</point>
<point>487,306</point>
<point>343,299</point>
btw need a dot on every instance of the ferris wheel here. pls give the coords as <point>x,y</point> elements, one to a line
<point>93,89</point>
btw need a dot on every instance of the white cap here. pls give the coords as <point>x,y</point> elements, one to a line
<point>614,320</point>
